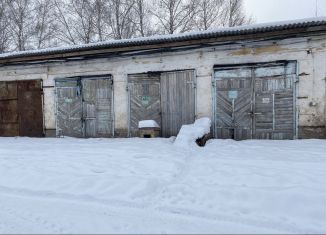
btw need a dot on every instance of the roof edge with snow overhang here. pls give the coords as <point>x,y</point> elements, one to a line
<point>161,39</point>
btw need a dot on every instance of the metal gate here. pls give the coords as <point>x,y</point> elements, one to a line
<point>255,102</point>
<point>144,100</point>
<point>167,97</point>
<point>21,108</point>
<point>85,107</point>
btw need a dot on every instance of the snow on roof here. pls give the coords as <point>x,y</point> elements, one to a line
<point>230,31</point>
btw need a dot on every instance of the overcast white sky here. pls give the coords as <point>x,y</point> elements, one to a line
<point>278,10</point>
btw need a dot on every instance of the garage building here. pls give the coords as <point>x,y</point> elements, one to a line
<point>264,81</point>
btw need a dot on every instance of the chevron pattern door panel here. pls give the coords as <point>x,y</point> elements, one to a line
<point>69,109</point>
<point>233,108</point>
<point>255,102</point>
<point>85,107</point>
<point>144,100</point>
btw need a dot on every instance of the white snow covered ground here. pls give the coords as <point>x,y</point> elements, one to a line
<point>152,186</point>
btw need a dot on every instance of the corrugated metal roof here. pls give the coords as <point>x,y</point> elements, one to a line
<point>232,31</point>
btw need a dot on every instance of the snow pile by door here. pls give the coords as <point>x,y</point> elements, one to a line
<point>190,133</point>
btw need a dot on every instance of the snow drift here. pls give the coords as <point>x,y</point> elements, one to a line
<point>190,133</point>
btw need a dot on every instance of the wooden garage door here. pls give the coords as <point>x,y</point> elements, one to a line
<point>274,116</point>
<point>85,107</point>
<point>69,107</point>
<point>255,102</point>
<point>233,104</point>
<point>21,112</point>
<point>144,100</point>
<point>97,107</point>
<point>177,100</point>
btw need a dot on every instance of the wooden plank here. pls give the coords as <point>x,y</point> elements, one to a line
<point>178,100</point>
<point>97,107</point>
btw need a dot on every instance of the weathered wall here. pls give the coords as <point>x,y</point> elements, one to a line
<point>309,52</point>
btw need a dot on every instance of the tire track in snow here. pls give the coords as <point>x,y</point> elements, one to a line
<point>164,211</point>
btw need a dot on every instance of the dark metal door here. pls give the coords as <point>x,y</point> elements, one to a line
<point>233,104</point>
<point>69,109</point>
<point>178,100</point>
<point>30,109</point>
<point>21,108</point>
<point>97,107</point>
<point>144,100</point>
<point>9,124</point>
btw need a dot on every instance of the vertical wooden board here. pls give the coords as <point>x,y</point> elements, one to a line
<point>97,107</point>
<point>178,101</point>
<point>104,106</point>
<point>144,100</point>
<point>264,105</point>
<point>69,109</point>
<point>165,100</point>
<point>30,108</point>
<point>89,92</point>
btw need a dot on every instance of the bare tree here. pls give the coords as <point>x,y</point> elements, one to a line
<point>175,16</point>
<point>76,21</point>
<point>64,18</point>
<point>210,14</point>
<point>46,26</point>
<point>122,18</point>
<point>27,24</point>
<point>4,28</point>
<point>21,22</point>
<point>143,17</point>
<point>102,13</point>
<point>84,22</point>
<point>234,14</point>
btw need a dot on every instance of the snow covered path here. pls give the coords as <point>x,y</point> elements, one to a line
<point>151,186</point>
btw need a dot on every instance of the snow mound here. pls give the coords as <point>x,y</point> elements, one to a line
<point>190,133</point>
<point>148,124</point>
